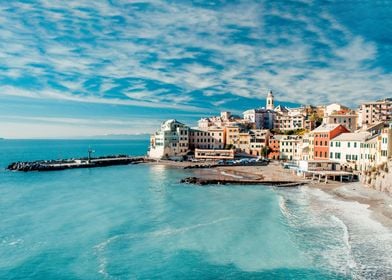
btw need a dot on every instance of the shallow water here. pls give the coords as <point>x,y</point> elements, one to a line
<point>138,222</point>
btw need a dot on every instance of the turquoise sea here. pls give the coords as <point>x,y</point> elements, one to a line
<point>139,222</point>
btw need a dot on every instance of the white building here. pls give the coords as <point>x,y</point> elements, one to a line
<point>225,119</point>
<point>262,118</point>
<point>362,150</point>
<point>334,108</point>
<point>170,141</point>
<point>290,118</point>
<point>368,155</point>
<point>346,148</point>
<point>289,147</point>
<point>349,120</point>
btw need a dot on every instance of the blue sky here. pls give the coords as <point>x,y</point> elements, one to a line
<point>78,68</point>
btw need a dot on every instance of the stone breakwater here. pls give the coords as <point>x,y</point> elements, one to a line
<point>203,182</point>
<point>200,166</point>
<point>53,165</point>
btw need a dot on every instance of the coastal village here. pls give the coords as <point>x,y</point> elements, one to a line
<point>326,141</point>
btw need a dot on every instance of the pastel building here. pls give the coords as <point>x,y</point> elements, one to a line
<point>232,135</point>
<point>274,146</point>
<point>170,141</point>
<point>368,154</point>
<point>243,143</point>
<point>211,138</point>
<point>384,146</point>
<point>311,145</point>
<point>321,137</point>
<point>287,120</point>
<point>304,150</point>
<point>349,120</point>
<point>259,139</point>
<point>376,111</point>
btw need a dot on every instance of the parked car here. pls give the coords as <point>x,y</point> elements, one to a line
<point>243,160</point>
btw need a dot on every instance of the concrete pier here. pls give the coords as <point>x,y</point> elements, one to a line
<point>321,176</point>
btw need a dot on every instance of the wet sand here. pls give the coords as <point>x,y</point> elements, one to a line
<point>380,203</point>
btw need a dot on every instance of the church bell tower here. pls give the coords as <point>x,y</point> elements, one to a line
<point>270,101</point>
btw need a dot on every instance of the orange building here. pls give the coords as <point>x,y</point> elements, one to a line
<point>274,145</point>
<point>322,136</point>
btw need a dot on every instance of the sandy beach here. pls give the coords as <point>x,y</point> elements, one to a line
<point>379,203</point>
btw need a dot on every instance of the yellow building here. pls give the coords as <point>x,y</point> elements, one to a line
<point>243,144</point>
<point>232,135</point>
<point>210,138</point>
<point>259,139</point>
<point>311,146</point>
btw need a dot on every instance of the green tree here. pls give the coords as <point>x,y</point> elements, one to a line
<point>265,151</point>
<point>316,119</point>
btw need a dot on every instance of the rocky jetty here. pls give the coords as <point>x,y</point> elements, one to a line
<point>197,166</point>
<point>203,182</point>
<point>200,166</point>
<point>53,165</point>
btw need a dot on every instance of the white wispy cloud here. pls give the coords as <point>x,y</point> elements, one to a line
<point>231,49</point>
<point>38,127</point>
<point>53,94</point>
